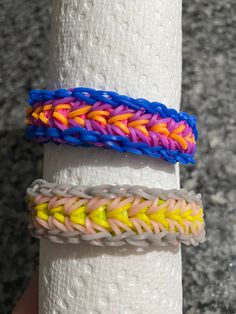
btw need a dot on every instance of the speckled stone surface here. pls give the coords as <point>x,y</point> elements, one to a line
<point>209,80</point>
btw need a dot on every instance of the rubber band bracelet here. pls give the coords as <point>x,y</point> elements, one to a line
<point>115,215</point>
<point>87,117</point>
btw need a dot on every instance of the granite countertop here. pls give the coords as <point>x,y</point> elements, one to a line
<point>209,80</point>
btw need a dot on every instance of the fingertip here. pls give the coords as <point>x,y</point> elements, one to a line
<point>28,303</point>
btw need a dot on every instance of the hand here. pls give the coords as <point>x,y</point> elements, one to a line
<point>28,303</point>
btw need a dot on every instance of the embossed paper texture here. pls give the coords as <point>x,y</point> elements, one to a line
<point>133,47</point>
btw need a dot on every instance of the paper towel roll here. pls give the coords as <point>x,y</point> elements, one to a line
<point>133,47</point>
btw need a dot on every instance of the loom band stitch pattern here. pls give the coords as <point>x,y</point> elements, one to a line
<point>138,126</point>
<point>91,96</point>
<point>122,123</point>
<point>109,191</point>
<point>115,215</point>
<point>80,137</point>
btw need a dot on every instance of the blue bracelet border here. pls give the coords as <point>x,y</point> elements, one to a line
<point>123,144</point>
<point>90,96</point>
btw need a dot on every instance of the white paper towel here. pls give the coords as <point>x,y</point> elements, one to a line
<point>133,47</point>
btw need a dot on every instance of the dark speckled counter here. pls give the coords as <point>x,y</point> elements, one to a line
<point>209,81</point>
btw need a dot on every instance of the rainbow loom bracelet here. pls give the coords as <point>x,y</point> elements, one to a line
<point>115,215</point>
<point>87,117</point>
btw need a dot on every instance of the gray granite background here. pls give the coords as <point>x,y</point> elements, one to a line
<point>209,81</point>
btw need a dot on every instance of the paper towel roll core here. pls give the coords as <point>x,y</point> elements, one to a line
<point>133,47</point>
